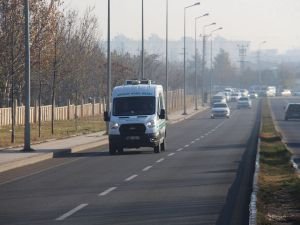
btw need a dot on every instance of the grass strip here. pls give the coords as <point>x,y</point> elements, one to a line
<point>62,129</point>
<point>278,199</point>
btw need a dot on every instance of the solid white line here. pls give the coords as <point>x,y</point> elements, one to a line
<point>147,168</point>
<point>171,154</point>
<point>179,150</point>
<point>131,177</point>
<point>71,212</point>
<point>160,160</point>
<point>107,191</point>
<point>186,146</point>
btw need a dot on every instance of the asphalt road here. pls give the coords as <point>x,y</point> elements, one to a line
<point>290,129</point>
<point>204,177</point>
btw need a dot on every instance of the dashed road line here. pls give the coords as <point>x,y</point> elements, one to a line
<point>131,177</point>
<point>71,212</point>
<point>106,192</point>
<point>202,137</point>
<point>171,154</point>
<point>186,146</point>
<point>147,168</point>
<point>198,139</point>
<point>192,142</point>
<point>160,160</point>
<point>179,150</point>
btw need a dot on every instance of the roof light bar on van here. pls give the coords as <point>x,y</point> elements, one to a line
<point>136,82</point>
<point>132,82</point>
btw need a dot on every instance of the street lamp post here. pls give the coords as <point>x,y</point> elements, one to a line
<point>167,34</point>
<point>203,59</point>
<point>108,65</point>
<point>184,50</point>
<point>27,146</point>
<point>142,53</point>
<point>258,61</point>
<point>196,80</point>
<point>211,59</point>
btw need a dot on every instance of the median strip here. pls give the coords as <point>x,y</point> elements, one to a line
<point>278,199</point>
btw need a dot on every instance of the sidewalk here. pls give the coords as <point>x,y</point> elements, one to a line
<point>12,158</point>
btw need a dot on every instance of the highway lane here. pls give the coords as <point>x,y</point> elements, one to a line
<point>204,177</point>
<point>290,129</point>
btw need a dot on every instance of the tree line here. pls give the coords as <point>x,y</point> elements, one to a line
<point>68,58</point>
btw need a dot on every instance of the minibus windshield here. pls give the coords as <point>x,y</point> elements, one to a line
<point>131,106</point>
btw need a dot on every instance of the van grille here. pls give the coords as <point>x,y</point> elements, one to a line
<point>132,129</point>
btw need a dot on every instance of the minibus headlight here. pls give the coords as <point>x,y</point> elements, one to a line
<point>150,124</point>
<point>114,125</point>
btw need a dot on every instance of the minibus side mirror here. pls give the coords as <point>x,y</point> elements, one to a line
<point>162,114</point>
<point>106,116</point>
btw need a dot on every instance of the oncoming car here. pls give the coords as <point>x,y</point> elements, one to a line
<point>220,109</point>
<point>292,111</point>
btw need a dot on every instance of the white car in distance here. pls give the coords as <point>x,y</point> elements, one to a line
<point>220,109</point>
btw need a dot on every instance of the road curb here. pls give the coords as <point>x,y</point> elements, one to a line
<point>252,205</point>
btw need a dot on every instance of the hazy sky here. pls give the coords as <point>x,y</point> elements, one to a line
<point>274,21</point>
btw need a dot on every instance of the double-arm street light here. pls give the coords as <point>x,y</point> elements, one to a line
<point>211,59</point>
<point>203,59</point>
<point>196,80</point>
<point>258,61</point>
<point>184,50</point>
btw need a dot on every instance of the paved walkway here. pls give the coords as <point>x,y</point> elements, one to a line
<point>11,158</point>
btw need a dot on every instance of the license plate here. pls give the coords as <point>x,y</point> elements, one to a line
<point>132,138</point>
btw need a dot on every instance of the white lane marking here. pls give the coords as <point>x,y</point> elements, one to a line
<point>202,137</point>
<point>186,146</point>
<point>160,160</point>
<point>192,142</point>
<point>107,191</point>
<point>147,168</point>
<point>179,150</point>
<point>71,212</point>
<point>198,139</point>
<point>171,154</point>
<point>131,177</point>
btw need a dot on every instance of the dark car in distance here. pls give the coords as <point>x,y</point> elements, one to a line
<point>292,111</point>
